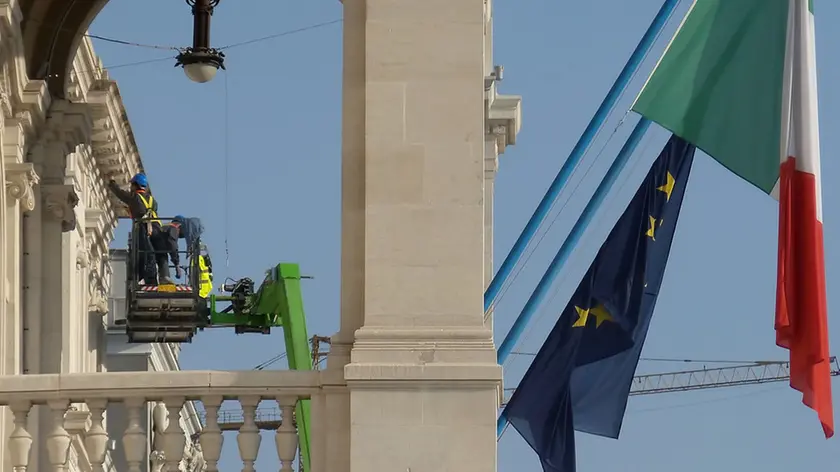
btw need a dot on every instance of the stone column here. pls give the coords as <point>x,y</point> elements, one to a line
<point>59,242</point>
<point>18,199</point>
<point>336,399</point>
<point>423,378</point>
<point>55,317</point>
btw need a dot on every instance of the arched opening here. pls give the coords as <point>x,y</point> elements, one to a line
<point>52,30</point>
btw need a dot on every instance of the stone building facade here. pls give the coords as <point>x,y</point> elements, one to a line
<point>411,382</point>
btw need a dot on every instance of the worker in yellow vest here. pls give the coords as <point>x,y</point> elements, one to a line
<point>191,230</point>
<point>142,208</point>
<point>205,273</point>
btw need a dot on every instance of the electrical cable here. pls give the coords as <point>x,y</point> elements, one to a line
<point>129,43</point>
<point>174,48</point>
<point>279,35</point>
<point>229,46</point>
<point>683,360</point>
<point>271,361</point>
<point>227,169</point>
<point>529,249</point>
<point>541,313</point>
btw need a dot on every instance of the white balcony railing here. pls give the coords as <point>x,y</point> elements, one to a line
<point>94,392</point>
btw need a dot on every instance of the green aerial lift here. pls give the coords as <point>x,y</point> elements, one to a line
<point>175,312</point>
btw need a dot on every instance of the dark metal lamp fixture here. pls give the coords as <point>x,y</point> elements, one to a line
<point>201,62</point>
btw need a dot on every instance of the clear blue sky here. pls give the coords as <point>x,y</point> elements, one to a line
<point>717,300</point>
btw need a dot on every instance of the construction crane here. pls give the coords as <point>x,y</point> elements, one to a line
<point>754,373</point>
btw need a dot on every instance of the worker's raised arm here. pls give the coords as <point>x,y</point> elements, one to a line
<point>124,195</point>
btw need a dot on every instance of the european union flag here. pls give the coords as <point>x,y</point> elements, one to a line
<point>581,377</point>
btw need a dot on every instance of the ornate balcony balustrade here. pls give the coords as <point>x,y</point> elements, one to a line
<point>82,399</point>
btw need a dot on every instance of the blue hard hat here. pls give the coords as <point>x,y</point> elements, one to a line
<point>179,219</point>
<point>140,180</point>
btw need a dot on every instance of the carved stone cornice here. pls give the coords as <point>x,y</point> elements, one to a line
<point>504,119</point>
<point>112,140</point>
<point>20,180</point>
<point>60,202</point>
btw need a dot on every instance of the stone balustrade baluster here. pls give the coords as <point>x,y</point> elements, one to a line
<point>211,438</point>
<point>159,423</point>
<point>96,438</point>
<point>58,439</point>
<point>249,438</point>
<point>175,441</point>
<point>20,441</point>
<point>286,437</point>
<point>77,438</point>
<point>134,438</point>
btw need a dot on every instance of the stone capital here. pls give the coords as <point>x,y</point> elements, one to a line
<point>20,180</point>
<point>60,201</point>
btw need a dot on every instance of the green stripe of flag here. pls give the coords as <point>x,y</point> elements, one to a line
<point>719,85</point>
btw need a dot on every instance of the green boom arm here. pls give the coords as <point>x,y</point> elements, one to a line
<point>278,302</point>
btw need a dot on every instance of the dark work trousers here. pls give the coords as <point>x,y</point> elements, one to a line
<point>146,255</point>
<point>163,248</point>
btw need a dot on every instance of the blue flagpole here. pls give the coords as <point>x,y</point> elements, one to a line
<point>568,246</point>
<point>578,151</point>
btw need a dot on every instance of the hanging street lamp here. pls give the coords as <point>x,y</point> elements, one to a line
<point>201,62</point>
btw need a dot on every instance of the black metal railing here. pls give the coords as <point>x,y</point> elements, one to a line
<point>144,244</point>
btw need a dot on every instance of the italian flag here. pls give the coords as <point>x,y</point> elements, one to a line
<point>739,81</point>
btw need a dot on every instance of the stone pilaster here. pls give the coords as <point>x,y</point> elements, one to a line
<point>18,200</point>
<point>423,379</point>
<point>504,119</point>
<point>491,167</point>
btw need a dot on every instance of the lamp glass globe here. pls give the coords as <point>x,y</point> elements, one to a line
<point>200,72</point>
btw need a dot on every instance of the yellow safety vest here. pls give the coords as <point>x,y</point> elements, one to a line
<point>150,208</point>
<point>205,278</point>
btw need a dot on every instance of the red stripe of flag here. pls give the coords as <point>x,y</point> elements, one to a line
<point>801,309</point>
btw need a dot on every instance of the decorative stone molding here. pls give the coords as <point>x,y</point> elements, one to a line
<point>98,303</point>
<point>22,100</point>
<point>97,296</point>
<point>60,201</point>
<point>81,256</point>
<point>113,144</point>
<point>14,141</point>
<point>20,180</point>
<point>504,119</point>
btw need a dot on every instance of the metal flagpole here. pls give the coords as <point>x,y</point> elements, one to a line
<point>578,151</point>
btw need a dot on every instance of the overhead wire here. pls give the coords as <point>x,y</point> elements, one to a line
<point>130,43</point>
<point>532,246</point>
<point>556,290</point>
<point>599,227</point>
<point>281,34</point>
<point>266,363</point>
<point>679,360</point>
<point>226,131</point>
<point>574,190</point>
<point>227,169</point>
<point>175,48</point>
